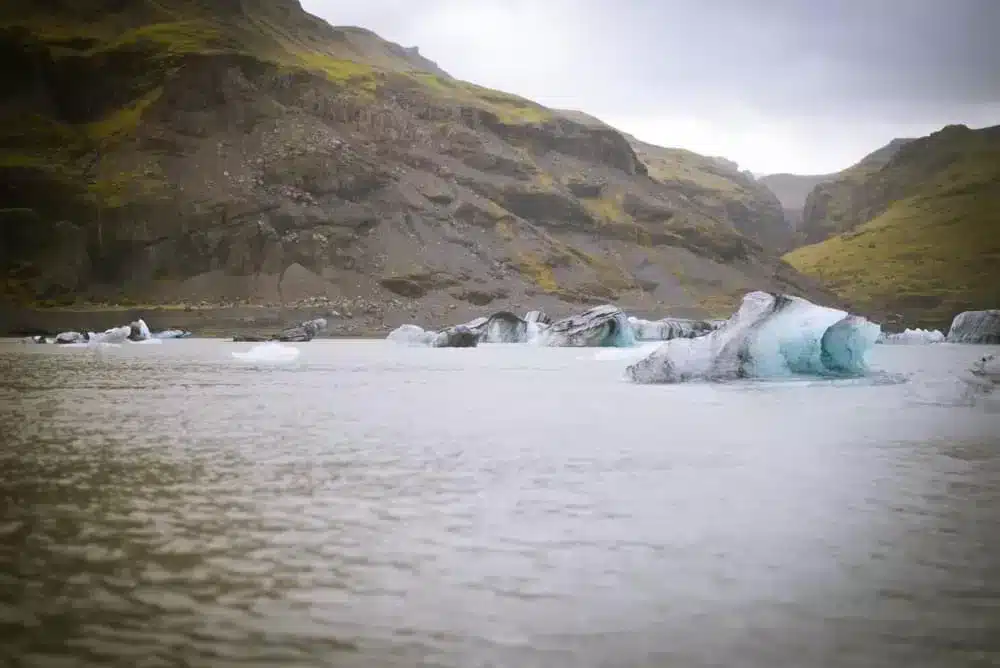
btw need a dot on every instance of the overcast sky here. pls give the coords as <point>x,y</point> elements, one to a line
<point>802,86</point>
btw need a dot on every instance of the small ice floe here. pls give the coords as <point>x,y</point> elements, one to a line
<point>271,351</point>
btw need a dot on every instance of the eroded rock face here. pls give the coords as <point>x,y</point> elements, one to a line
<point>975,327</point>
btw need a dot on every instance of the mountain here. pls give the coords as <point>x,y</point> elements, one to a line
<point>920,233</point>
<point>792,191</point>
<point>168,151</point>
<point>715,185</point>
<point>843,202</point>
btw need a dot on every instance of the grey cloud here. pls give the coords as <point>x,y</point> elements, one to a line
<point>743,67</point>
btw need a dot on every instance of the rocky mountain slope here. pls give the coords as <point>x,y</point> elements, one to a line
<point>851,197</point>
<point>922,231</point>
<point>715,185</point>
<point>167,151</point>
<point>792,191</point>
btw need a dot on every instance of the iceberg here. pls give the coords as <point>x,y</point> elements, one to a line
<point>459,336</point>
<point>669,328</point>
<point>65,338</point>
<point>139,331</point>
<point>172,334</point>
<point>113,335</point>
<point>987,368</point>
<point>504,327</point>
<point>975,327</point>
<point>411,335</point>
<point>305,331</point>
<point>602,326</point>
<point>770,336</point>
<point>912,337</point>
<point>300,333</point>
<point>537,316</point>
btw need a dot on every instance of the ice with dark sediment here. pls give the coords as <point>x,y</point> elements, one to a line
<point>172,334</point>
<point>459,336</point>
<point>666,329</point>
<point>770,336</point>
<point>975,327</point>
<point>602,326</point>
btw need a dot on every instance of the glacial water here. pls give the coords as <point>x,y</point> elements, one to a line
<point>369,504</point>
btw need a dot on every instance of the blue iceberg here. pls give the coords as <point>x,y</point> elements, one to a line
<point>770,336</point>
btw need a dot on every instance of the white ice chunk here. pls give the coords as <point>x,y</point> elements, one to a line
<point>411,335</point>
<point>913,337</point>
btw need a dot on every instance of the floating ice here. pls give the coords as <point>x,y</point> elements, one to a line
<point>540,317</point>
<point>172,334</point>
<point>668,328</point>
<point>504,327</point>
<point>975,327</point>
<point>912,337</point>
<point>138,331</point>
<point>411,335</point>
<point>113,335</point>
<point>66,338</point>
<point>602,326</point>
<point>770,336</point>
<point>459,336</point>
<point>272,351</point>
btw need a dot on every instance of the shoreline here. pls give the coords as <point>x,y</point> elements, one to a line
<point>209,322</point>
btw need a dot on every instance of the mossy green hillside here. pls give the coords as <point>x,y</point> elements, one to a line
<point>924,260</point>
<point>934,248</point>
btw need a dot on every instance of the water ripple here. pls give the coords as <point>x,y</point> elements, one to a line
<point>511,506</point>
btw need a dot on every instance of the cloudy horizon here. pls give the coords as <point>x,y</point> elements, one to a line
<point>774,85</point>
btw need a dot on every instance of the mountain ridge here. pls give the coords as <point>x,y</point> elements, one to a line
<point>178,151</point>
<point>919,229</point>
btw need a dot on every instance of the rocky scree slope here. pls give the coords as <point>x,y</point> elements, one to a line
<point>245,151</point>
<point>922,232</point>
<point>714,185</point>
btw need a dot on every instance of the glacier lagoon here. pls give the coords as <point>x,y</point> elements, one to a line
<point>369,504</point>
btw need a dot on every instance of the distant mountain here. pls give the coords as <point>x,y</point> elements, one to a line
<point>837,204</point>
<point>916,228</point>
<point>716,185</point>
<point>792,191</point>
